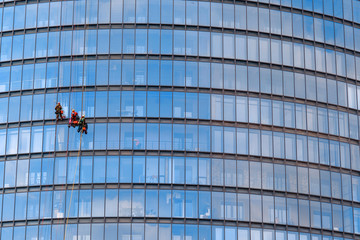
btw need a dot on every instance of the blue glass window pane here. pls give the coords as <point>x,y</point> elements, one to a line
<point>47,172</point>
<point>165,136</point>
<point>115,42</point>
<point>308,28</point>
<point>337,217</point>
<point>4,78</point>
<point>191,43</point>
<point>104,11</point>
<point>154,9</point>
<point>6,48</point>
<point>128,72</point>
<point>165,170</point>
<point>67,13</point>
<point>2,141</point>
<point>216,14</point>
<point>125,169</point>
<point>254,114</point>
<point>152,170</point>
<point>298,21</point>
<point>100,166</point>
<point>129,11</point>
<point>24,140</point>
<point>91,41</point>
<point>346,187</point>
<point>39,76</point>
<point>17,52</point>
<point>152,141</point>
<point>73,170</point>
<point>97,231</point>
<point>141,41</point>
<point>290,146</point>
<point>179,170</point>
<point>92,11</point>
<point>85,203</point>
<point>140,72</point>
<point>41,44</point>
<point>179,73</point>
<point>2,174</point>
<point>204,205</point>
<point>79,12</point>
<point>100,136</point>
<point>19,232</point>
<point>153,104</point>
<point>204,47</point>
<point>31,13</point>
<point>8,212</point>
<point>53,44</point>
<point>339,34</point>
<point>12,141</point>
<point>338,9</point>
<point>19,21</point>
<point>33,205</point>
<point>165,104</point>
<point>153,41</point>
<point>179,42</point>
<point>127,104</point>
<point>217,139</point>
<point>138,169</point>
<point>178,203</point>
<point>165,210</point>
<point>103,41</point>
<point>102,72</point>
<point>166,41</point>
<point>98,203</point>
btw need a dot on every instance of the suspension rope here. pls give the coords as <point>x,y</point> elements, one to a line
<point>42,163</point>
<point>81,133</point>
<point>73,185</point>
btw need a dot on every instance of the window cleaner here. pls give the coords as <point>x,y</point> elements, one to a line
<point>74,120</point>
<point>82,126</point>
<point>59,112</point>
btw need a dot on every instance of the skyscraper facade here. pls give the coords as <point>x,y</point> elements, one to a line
<point>208,120</point>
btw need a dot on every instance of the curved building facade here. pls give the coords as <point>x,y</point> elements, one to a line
<point>208,120</point>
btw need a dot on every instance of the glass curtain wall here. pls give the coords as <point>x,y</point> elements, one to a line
<point>207,120</point>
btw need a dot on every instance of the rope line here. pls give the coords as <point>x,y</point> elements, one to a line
<point>81,133</point>
<point>48,167</point>
<point>72,188</point>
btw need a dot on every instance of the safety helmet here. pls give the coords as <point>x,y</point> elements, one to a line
<point>58,102</point>
<point>73,110</point>
<point>83,116</point>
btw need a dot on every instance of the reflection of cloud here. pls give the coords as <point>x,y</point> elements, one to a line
<point>124,208</point>
<point>124,204</point>
<point>112,202</point>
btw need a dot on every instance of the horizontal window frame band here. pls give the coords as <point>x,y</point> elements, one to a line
<point>172,151</point>
<point>171,218</point>
<point>34,91</point>
<point>251,3</point>
<point>164,153</point>
<point>177,221</point>
<point>196,28</point>
<point>199,122</point>
<point>165,58</point>
<point>185,58</point>
<point>166,26</point>
<point>92,119</point>
<point>233,58</point>
<point>187,89</point>
<point>177,87</point>
<point>173,186</point>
